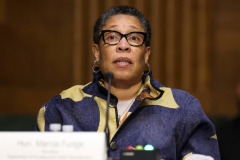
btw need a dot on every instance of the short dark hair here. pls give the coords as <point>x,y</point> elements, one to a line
<point>115,10</point>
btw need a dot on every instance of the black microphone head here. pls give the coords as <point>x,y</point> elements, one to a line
<point>109,75</point>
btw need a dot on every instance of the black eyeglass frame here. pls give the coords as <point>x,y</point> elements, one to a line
<point>122,35</point>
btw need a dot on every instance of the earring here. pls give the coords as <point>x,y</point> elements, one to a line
<point>93,68</point>
<point>149,70</point>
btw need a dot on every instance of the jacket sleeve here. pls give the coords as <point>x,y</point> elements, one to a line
<point>199,135</point>
<point>49,113</point>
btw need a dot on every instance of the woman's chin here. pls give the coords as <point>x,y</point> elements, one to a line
<point>126,78</point>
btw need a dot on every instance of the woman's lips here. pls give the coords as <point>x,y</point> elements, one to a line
<point>122,62</point>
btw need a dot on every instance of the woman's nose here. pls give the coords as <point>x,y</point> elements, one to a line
<point>123,45</point>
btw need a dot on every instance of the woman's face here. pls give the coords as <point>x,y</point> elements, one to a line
<point>126,62</point>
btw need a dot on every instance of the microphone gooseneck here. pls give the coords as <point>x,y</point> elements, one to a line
<point>109,76</point>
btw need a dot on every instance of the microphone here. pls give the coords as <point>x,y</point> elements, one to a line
<point>109,76</point>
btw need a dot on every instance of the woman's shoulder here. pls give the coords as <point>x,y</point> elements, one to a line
<point>179,95</point>
<point>177,92</point>
<point>75,93</point>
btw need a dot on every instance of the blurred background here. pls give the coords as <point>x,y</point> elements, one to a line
<point>45,47</point>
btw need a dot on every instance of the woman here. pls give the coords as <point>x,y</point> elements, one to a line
<point>142,111</point>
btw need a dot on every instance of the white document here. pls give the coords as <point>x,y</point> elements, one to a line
<point>53,146</point>
<point>199,157</point>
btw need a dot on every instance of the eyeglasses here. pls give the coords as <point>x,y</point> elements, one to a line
<point>114,37</point>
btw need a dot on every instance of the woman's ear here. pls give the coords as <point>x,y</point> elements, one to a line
<point>147,54</point>
<point>95,50</point>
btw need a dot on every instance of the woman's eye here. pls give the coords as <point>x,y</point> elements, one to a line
<point>134,38</point>
<point>112,37</point>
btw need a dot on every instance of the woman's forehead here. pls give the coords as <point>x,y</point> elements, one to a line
<point>122,20</point>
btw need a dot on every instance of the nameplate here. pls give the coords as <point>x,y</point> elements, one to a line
<point>52,146</point>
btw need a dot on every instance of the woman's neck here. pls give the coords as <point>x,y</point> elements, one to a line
<point>124,91</point>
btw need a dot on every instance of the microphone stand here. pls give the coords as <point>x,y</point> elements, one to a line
<point>109,76</point>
